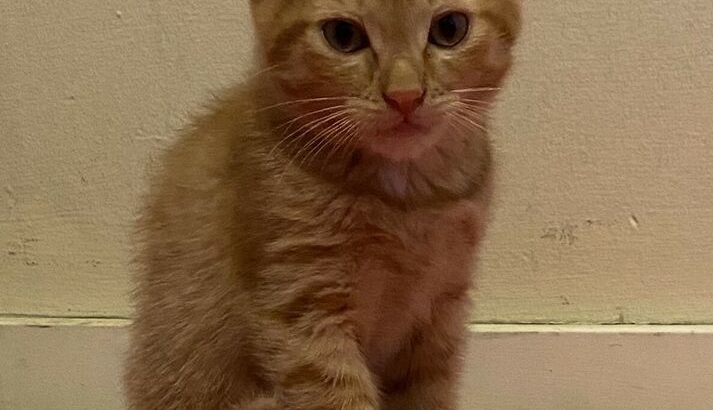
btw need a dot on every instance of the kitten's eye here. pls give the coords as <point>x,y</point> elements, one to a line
<point>449,29</point>
<point>345,36</point>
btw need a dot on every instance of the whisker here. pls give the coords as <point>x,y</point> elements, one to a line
<point>455,119</point>
<point>346,135</point>
<point>292,121</point>
<point>301,101</point>
<point>292,158</point>
<point>480,108</point>
<point>353,141</point>
<point>315,138</point>
<point>318,122</point>
<point>338,134</point>
<point>477,102</point>
<point>309,126</point>
<point>343,137</point>
<point>266,70</point>
<point>324,137</point>
<point>477,110</point>
<point>475,90</point>
<point>465,117</point>
<point>352,134</point>
<point>477,117</point>
<point>306,149</point>
<point>345,125</point>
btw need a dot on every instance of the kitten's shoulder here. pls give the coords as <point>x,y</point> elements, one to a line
<point>208,145</point>
<point>197,174</point>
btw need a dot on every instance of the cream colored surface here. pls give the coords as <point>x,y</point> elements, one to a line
<point>508,368</point>
<point>605,199</point>
<point>61,368</point>
<point>88,92</point>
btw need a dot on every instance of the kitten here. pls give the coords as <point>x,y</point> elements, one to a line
<point>309,242</point>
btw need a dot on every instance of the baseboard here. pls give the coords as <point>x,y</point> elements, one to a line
<point>74,364</point>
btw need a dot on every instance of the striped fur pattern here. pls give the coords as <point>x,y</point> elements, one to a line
<point>296,254</point>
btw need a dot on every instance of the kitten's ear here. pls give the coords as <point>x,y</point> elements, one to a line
<point>517,17</point>
<point>512,11</point>
<point>263,5</point>
<point>256,3</point>
<point>261,11</point>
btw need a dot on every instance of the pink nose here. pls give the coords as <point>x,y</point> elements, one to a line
<point>405,102</point>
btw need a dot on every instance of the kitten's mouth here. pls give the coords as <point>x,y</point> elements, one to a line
<point>404,138</point>
<point>407,128</point>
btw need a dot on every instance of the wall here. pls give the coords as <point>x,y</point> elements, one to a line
<point>606,149</point>
<point>89,91</point>
<point>604,145</point>
<point>604,138</point>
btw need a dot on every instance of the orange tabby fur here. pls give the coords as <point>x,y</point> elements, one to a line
<point>322,270</point>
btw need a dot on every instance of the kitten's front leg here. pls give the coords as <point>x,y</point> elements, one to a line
<point>319,365</point>
<point>425,373</point>
<point>328,374</point>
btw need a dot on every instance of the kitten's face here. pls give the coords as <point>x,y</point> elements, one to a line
<point>391,76</point>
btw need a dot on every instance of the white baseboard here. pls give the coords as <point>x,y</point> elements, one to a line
<point>60,367</point>
<point>62,364</point>
<point>590,368</point>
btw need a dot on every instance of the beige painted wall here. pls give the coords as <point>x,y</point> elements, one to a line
<point>605,203</point>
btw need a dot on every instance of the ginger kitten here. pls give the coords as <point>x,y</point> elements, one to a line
<point>308,243</point>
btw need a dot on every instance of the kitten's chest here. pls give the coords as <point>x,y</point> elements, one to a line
<point>403,271</point>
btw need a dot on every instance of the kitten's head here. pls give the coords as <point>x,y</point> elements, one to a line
<point>394,77</point>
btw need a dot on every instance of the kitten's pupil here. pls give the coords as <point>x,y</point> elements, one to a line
<point>344,33</point>
<point>447,27</point>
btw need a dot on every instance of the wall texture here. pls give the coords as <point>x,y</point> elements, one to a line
<point>605,200</point>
